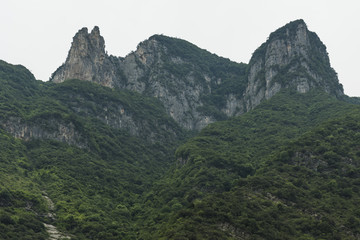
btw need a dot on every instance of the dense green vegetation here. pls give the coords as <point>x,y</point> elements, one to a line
<point>20,198</point>
<point>231,180</point>
<point>116,166</point>
<point>307,189</point>
<point>96,183</point>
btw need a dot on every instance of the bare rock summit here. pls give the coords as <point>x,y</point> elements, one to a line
<point>197,87</point>
<point>292,57</point>
<point>87,60</point>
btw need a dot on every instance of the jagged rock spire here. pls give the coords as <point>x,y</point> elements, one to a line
<point>182,76</point>
<point>87,60</point>
<point>292,57</point>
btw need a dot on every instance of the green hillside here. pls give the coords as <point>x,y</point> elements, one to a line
<point>308,189</point>
<point>265,175</point>
<point>109,163</point>
<point>96,182</point>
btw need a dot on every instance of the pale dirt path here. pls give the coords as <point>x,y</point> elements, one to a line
<point>51,229</point>
<point>54,233</point>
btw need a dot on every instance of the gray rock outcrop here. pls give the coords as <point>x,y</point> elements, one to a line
<point>146,71</point>
<point>87,60</point>
<point>292,57</point>
<point>52,128</point>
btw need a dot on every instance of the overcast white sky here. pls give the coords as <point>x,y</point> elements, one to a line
<point>38,33</point>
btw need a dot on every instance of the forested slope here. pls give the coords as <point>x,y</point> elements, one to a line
<point>286,170</point>
<point>131,149</point>
<point>68,148</point>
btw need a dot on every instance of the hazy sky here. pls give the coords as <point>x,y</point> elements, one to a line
<point>38,33</point>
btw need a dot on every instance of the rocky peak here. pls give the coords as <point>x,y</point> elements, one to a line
<point>197,87</point>
<point>85,43</point>
<point>87,60</point>
<point>292,57</point>
<point>169,69</point>
<point>88,47</point>
<point>149,51</point>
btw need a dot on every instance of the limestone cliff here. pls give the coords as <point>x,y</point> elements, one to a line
<point>197,87</point>
<point>44,129</point>
<point>87,60</point>
<point>292,57</point>
<point>161,67</point>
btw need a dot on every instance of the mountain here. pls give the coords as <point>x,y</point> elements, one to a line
<point>300,194</point>
<point>292,57</point>
<point>182,76</point>
<point>266,175</point>
<point>87,148</point>
<point>173,142</point>
<point>197,87</point>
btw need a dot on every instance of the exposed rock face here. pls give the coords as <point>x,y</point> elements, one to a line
<point>145,71</point>
<point>293,57</point>
<point>52,128</point>
<point>87,60</point>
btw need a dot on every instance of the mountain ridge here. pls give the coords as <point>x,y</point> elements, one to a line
<point>149,70</point>
<point>178,146</point>
<point>182,76</point>
<point>264,174</point>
